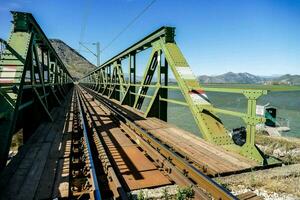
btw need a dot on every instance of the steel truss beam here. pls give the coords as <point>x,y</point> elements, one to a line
<point>165,56</point>
<point>33,80</point>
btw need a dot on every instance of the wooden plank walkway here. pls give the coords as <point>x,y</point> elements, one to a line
<point>37,172</point>
<point>209,158</point>
<point>41,168</point>
<point>212,159</point>
<point>137,171</point>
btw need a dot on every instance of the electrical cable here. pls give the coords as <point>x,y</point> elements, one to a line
<point>84,22</point>
<point>128,25</point>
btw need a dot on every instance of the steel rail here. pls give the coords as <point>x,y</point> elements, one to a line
<point>190,171</point>
<point>104,150</point>
<point>97,195</point>
<point>176,175</point>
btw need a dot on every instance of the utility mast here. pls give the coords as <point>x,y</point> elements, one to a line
<point>97,54</point>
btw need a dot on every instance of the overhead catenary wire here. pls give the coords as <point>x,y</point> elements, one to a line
<point>128,25</point>
<point>84,22</point>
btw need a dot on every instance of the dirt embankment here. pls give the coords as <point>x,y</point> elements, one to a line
<point>278,183</point>
<point>286,149</point>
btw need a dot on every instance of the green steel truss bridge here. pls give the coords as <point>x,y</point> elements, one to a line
<point>34,82</point>
<point>166,57</point>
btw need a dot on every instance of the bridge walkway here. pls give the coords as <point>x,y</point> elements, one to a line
<point>40,169</point>
<point>209,158</point>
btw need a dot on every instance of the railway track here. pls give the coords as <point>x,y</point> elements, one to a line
<point>84,183</point>
<point>121,158</point>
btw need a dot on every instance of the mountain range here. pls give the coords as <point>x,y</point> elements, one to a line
<point>247,78</point>
<point>78,66</point>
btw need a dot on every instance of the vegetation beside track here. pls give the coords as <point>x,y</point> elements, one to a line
<point>275,183</point>
<point>286,149</point>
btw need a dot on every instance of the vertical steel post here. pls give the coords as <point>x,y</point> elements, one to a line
<point>163,92</point>
<point>98,53</point>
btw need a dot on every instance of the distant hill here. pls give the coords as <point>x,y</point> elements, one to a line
<point>247,78</point>
<point>231,77</point>
<point>288,78</point>
<point>77,65</point>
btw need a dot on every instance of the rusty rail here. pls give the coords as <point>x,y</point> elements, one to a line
<point>103,154</point>
<point>85,169</point>
<point>175,165</point>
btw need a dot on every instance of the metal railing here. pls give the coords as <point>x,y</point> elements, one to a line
<point>109,80</point>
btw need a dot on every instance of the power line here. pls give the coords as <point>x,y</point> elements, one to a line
<point>84,21</point>
<point>128,25</point>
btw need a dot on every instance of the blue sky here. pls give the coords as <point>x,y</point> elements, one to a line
<point>216,36</point>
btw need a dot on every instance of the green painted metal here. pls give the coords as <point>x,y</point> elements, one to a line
<point>166,56</point>
<point>32,80</point>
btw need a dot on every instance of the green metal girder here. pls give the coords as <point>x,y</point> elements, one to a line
<point>23,85</point>
<point>147,78</point>
<point>205,114</point>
